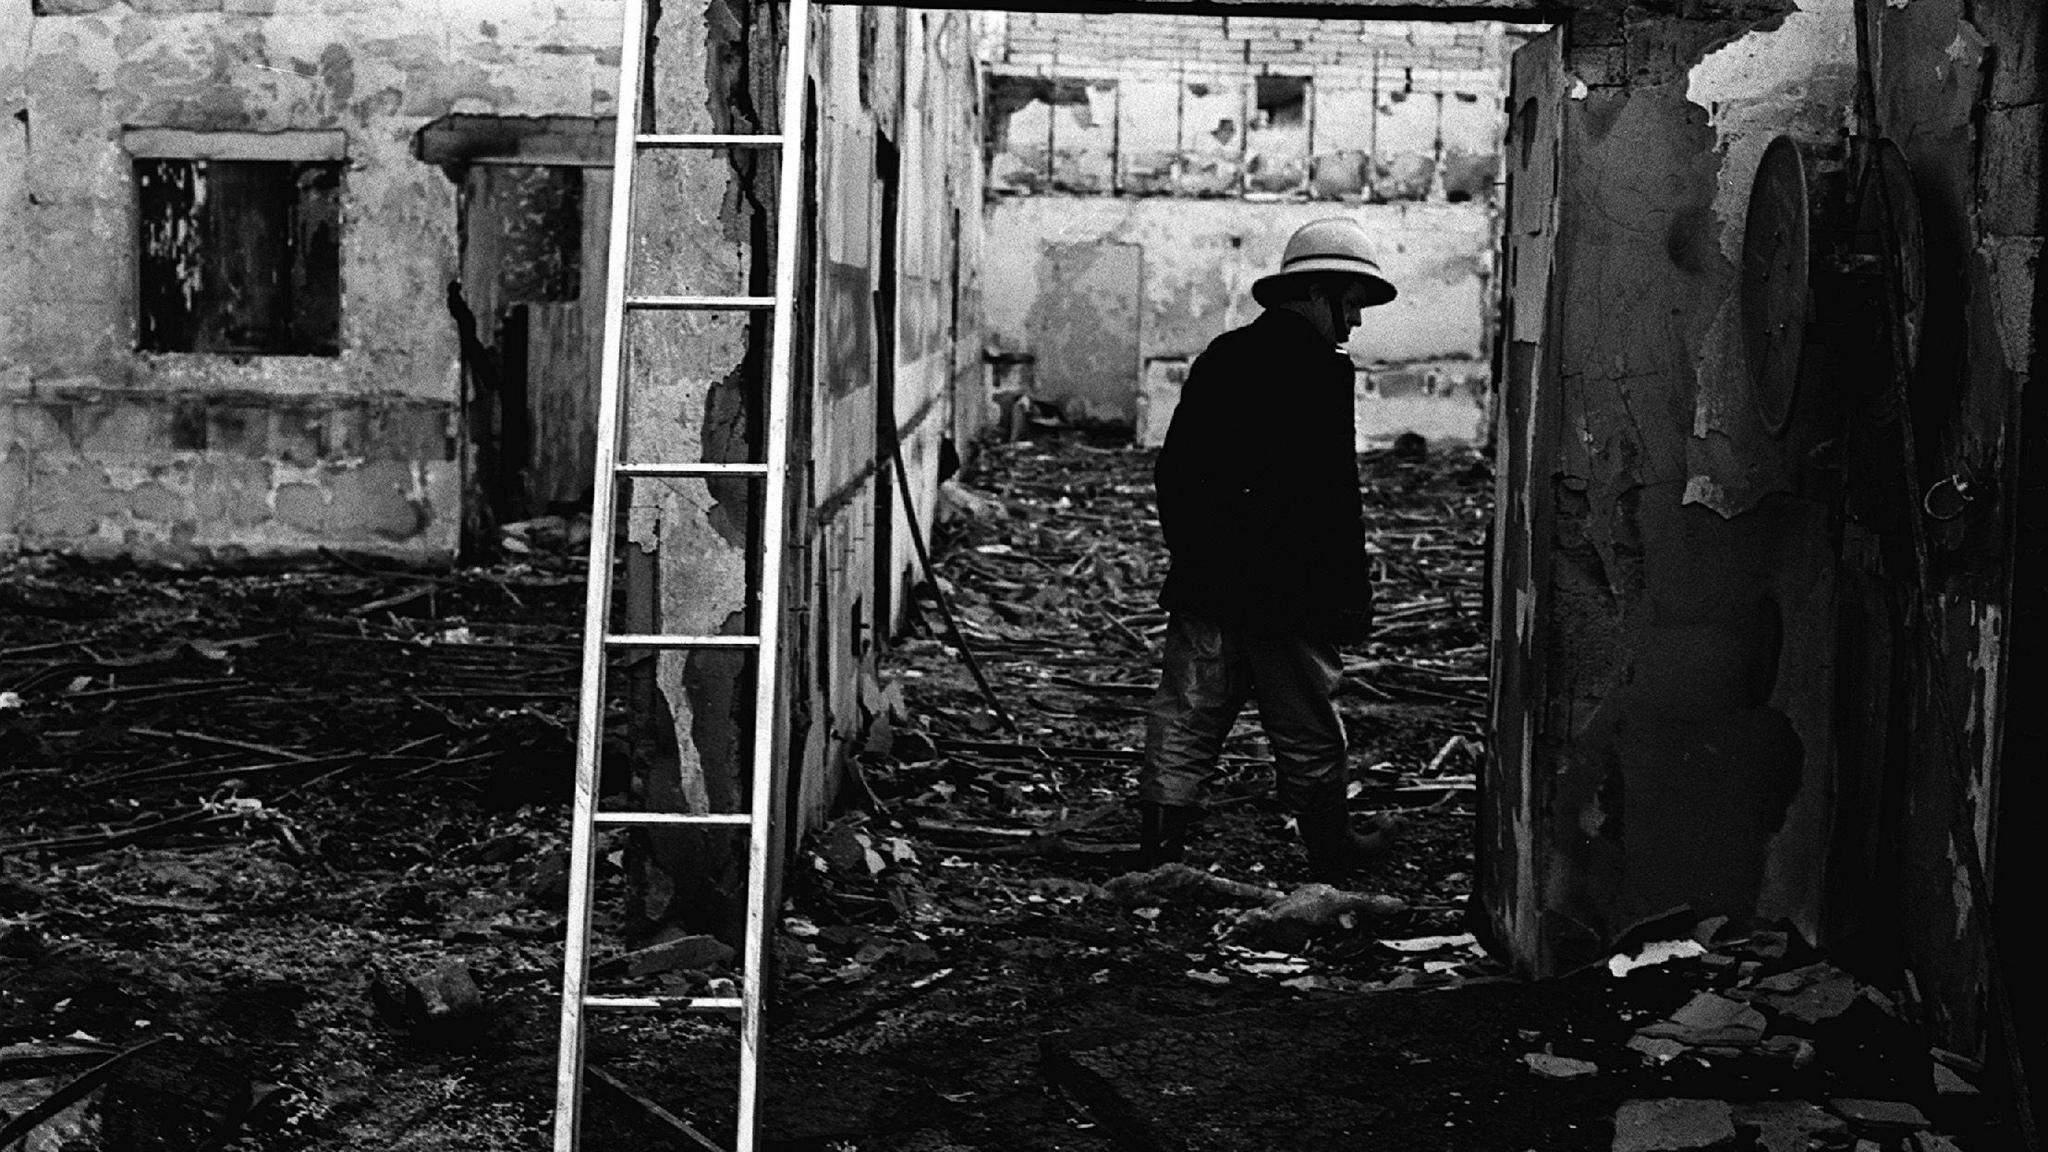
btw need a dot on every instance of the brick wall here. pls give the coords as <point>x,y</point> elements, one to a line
<point>1174,105</point>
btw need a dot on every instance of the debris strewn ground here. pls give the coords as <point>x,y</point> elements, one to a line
<point>281,868</point>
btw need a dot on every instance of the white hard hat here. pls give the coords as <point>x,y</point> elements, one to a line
<point>1332,245</point>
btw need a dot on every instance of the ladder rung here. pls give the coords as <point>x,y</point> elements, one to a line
<point>701,303</point>
<point>665,640</point>
<point>701,469</point>
<point>709,140</point>
<point>730,818</point>
<point>682,1003</point>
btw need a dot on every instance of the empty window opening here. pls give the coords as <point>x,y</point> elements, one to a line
<point>1282,100</point>
<point>240,256</point>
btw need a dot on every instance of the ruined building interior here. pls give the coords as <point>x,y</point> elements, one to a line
<point>1722,311</point>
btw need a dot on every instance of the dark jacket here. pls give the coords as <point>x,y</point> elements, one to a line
<point>1258,484</point>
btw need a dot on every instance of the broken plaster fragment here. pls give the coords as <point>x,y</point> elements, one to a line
<point>1712,1010</point>
<point>1556,1067</point>
<point>1787,1125</point>
<point>1659,952</point>
<point>1795,1050</point>
<point>1710,1020</point>
<point>1891,1114</point>
<point>1949,1084</point>
<point>1431,943</point>
<point>1811,994</point>
<point>1672,1124</point>
<point>1656,1049</point>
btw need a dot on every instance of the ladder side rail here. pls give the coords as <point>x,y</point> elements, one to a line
<point>767,674</point>
<point>590,706</point>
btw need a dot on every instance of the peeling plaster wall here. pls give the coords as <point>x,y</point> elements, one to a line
<point>188,458</point>
<point>929,109</point>
<point>1664,674</point>
<point>1960,88</point>
<point>1200,258</point>
<point>14,287</point>
<point>874,74</point>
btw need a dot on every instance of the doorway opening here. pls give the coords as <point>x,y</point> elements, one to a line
<point>533,207</point>
<point>1129,203</point>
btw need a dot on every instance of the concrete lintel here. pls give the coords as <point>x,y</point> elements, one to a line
<point>467,138</point>
<point>201,144</point>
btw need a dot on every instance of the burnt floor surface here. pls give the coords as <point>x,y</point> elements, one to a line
<point>235,803</point>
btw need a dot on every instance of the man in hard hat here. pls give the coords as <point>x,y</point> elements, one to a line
<point>1258,498</point>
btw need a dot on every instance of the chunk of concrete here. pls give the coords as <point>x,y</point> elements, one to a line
<point>1887,1114</point>
<point>1811,994</point>
<point>1711,1010</point>
<point>1950,1084</point>
<point>1710,1020</point>
<point>1797,1051</point>
<point>1672,1125</point>
<point>1656,1049</point>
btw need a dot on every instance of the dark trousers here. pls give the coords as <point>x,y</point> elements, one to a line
<point>1208,674</point>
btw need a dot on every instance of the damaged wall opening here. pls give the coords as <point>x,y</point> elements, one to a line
<point>240,256</point>
<point>1144,169</point>
<point>532,198</point>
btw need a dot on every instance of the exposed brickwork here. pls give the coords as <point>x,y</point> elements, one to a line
<point>184,479</point>
<point>1168,105</point>
<point>1250,44</point>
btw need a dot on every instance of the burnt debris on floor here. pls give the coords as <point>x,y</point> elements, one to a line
<point>282,868</point>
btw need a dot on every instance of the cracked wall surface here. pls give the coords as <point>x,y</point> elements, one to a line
<point>359,450</point>
<point>1199,259</point>
<point>1960,88</point>
<point>1663,698</point>
<point>1755,670</point>
<point>886,342</point>
<point>1145,169</point>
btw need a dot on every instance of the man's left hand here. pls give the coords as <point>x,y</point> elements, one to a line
<point>1354,625</point>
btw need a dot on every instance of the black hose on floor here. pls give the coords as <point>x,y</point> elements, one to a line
<point>924,560</point>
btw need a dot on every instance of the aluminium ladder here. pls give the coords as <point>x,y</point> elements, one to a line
<point>598,639</point>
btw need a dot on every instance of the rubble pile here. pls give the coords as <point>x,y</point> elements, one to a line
<point>1776,1049</point>
<point>1050,559</point>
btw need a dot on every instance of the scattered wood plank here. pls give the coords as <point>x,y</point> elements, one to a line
<point>71,1093</point>
<point>912,991</point>
<point>222,741</point>
<point>395,601</point>
<point>176,688</point>
<point>675,1124</point>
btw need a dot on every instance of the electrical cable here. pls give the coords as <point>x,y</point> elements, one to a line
<point>924,561</point>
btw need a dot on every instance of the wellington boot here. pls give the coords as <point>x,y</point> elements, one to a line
<point>1336,850</point>
<point>1163,832</point>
